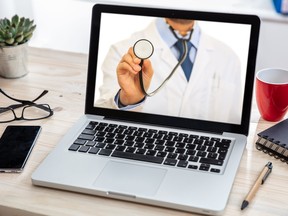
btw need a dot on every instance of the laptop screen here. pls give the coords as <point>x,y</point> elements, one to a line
<point>214,89</point>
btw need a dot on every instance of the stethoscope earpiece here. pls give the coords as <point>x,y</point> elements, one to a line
<point>143,49</point>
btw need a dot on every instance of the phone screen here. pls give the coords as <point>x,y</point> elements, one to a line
<point>16,145</point>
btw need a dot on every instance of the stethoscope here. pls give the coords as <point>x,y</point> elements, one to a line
<point>143,49</point>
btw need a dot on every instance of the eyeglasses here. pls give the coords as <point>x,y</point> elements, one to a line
<point>30,110</point>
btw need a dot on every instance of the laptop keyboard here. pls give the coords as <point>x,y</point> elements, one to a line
<point>155,146</point>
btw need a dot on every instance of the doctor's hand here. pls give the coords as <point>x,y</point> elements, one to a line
<point>128,78</point>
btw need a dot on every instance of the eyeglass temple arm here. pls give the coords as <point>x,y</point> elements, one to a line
<point>24,101</point>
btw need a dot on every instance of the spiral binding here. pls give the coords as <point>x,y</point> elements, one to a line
<point>273,148</point>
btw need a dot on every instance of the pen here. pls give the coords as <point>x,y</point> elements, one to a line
<point>260,180</point>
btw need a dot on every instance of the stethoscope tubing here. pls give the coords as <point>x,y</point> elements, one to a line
<point>182,59</point>
<point>184,44</point>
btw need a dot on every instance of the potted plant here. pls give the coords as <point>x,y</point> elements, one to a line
<point>14,35</point>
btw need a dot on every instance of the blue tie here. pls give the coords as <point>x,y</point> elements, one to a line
<point>187,64</point>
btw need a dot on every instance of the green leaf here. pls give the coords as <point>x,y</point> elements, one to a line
<point>22,19</point>
<point>15,19</point>
<point>9,41</point>
<point>19,38</point>
<point>8,35</point>
<point>13,31</point>
<point>28,37</point>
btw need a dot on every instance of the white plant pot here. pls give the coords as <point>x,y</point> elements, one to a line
<point>13,61</point>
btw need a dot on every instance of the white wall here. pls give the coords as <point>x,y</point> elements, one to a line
<point>65,24</point>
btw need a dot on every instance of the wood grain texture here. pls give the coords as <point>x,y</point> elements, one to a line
<point>64,75</point>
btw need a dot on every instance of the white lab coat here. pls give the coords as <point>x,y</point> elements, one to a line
<point>212,93</point>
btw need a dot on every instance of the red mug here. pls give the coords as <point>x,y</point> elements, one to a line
<point>272,93</point>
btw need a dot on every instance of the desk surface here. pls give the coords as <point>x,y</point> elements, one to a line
<point>64,75</point>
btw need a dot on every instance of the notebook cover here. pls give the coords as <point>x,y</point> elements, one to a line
<point>277,133</point>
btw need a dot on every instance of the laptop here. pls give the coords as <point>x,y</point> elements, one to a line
<point>146,152</point>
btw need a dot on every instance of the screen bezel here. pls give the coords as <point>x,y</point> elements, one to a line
<point>193,124</point>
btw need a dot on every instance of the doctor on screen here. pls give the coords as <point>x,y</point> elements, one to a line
<point>208,87</point>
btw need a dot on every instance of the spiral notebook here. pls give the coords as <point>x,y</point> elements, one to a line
<point>274,141</point>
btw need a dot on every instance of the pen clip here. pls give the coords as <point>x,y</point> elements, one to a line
<point>269,166</point>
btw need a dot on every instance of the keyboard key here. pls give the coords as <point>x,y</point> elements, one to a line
<point>130,149</point>
<point>188,140</point>
<point>180,145</point>
<point>149,140</point>
<point>158,136</point>
<point>177,138</point>
<point>201,148</point>
<point>110,146</point>
<point>90,143</point>
<point>105,152</point>
<point>208,143</point>
<point>129,143</point>
<point>84,148</point>
<point>193,158</point>
<point>194,136</point>
<point>100,145</point>
<point>110,135</point>
<point>119,142</point>
<point>173,133</point>
<point>222,156</point>
<point>182,163</point>
<point>151,152</point>
<point>149,146</point>
<point>99,139</point>
<point>140,151</point>
<point>120,148</point>
<point>205,138</point>
<point>172,155</point>
<point>211,161</point>
<point>159,148</point>
<point>222,145</point>
<point>169,149</point>
<point>201,154</point>
<point>204,167</point>
<point>93,150</point>
<point>170,162</point>
<point>170,143</point>
<point>226,141</point>
<point>80,142</point>
<point>211,149</point>
<point>89,132</point>
<point>159,142</point>
<point>161,154</point>
<point>74,147</point>
<point>193,167</point>
<point>212,155</point>
<point>198,141</point>
<point>86,137</point>
<point>215,170</point>
<point>138,145</point>
<point>182,157</point>
<point>109,140</point>
<point>191,152</point>
<point>190,146</point>
<point>139,139</point>
<point>180,150</point>
<point>139,157</point>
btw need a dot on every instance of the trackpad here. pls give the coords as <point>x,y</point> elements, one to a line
<point>130,179</point>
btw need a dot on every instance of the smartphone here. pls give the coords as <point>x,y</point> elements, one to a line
<point>16,144</point>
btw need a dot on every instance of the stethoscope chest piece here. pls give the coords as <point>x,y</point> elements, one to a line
<point>143,49</point>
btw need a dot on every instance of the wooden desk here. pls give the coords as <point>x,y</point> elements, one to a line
<point>64,75</point>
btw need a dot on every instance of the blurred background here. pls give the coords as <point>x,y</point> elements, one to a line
<point>65,24</point>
